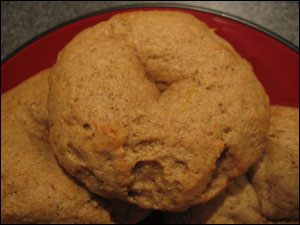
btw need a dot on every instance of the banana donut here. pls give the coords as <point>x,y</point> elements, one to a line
<point>154,108</point>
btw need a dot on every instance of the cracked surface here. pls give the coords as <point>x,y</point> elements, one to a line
<point>269,194</point>
<point>141,108</point>
<point>34,188</point>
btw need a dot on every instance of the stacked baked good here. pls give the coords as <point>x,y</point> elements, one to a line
<point>149,110</point>
<point>34,188</point>
<point>268,193</point>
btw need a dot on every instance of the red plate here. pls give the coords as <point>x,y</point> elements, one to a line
<point>275,61</point>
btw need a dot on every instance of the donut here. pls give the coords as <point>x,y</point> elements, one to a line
<point>155,109</point>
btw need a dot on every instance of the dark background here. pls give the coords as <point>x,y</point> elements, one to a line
<point>21,21</point>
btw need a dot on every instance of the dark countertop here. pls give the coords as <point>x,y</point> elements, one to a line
<point>22,21</point>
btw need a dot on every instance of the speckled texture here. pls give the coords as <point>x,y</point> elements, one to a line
<point>21,21</point>
<point>237,204</point>
<point>34,189</point>
<point>270,192</point>
<point>276,176</point>
<point>155,109</point>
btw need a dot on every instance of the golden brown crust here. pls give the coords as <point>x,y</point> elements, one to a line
<point>34,188</point>
<point>154,108</point>
<point>276,176</point>
<point>237,204</point>
<point>271,196</point>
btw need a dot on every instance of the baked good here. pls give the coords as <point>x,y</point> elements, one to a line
<point>237,204</point>
<point>154,108</point>
<point>34,188</point>
<point>269,193</point>
<point>276,176</point>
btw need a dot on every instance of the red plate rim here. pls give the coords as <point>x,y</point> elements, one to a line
<point>154,5</point>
